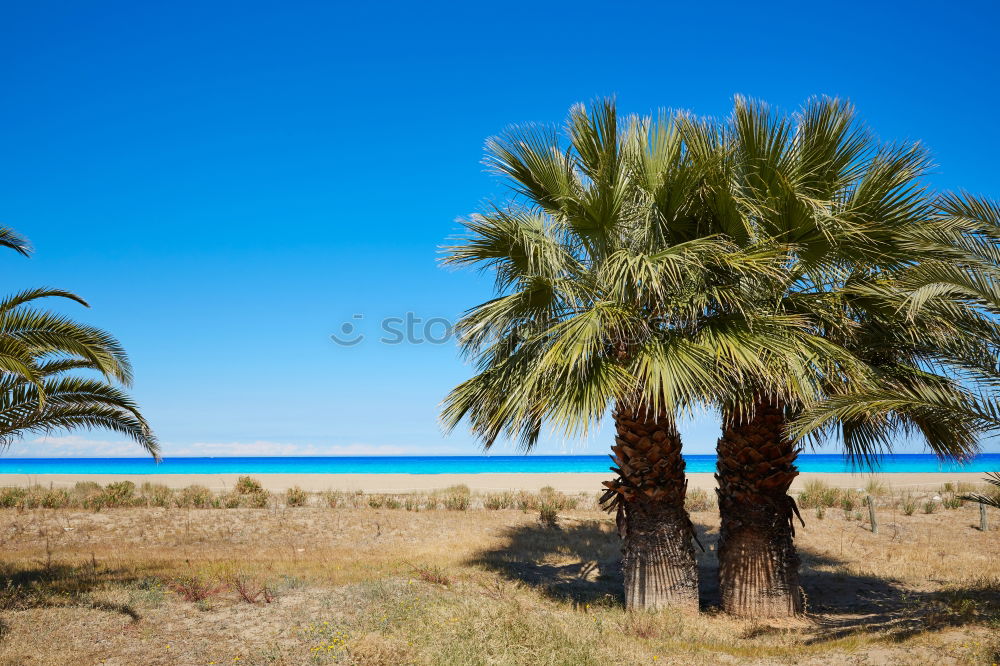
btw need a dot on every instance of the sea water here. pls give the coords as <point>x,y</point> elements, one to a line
<point>901,463</point>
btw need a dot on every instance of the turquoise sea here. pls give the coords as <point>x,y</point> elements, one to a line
<point>986,462</point>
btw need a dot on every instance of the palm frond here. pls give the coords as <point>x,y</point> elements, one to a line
<point>14,241</point>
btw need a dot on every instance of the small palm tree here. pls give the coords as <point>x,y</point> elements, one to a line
<point>41,354</point>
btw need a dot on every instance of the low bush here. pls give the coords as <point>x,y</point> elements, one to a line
<point>118,494</point>
<point>256,500</point>
<point>196,588</point>
<point>849,501</point>
<point>87,488</point>
<point>816,493</point>
<point>952,502</point>
<point>156,494</point>
<point>334,498</point>
<point>246,485</point>
<point>548,514</point>
<point>457,501</point>
<point>12,497</point>
<point>498,501</point>
<point>698,499</point>
<point>56,498</point>
<point>251,590</point>
<point>194,497</point>
<point>295,496</point>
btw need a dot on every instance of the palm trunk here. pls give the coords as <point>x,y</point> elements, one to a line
<point>659,565</point>
<point>758,565</point>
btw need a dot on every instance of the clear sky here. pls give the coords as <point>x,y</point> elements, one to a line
<point>229,182</point>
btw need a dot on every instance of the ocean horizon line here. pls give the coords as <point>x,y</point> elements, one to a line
<point>461,464</point>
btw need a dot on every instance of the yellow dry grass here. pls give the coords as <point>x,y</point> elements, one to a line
<point>364,585</point>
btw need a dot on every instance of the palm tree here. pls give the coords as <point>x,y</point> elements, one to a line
<point>862,235</point>
<point>40,354</point>
<point>597,307</point>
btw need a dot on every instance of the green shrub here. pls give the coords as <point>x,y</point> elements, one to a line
<point>231,500</point>
<point>257,500</point>
<point>295,496</point>
<point>55,498</point>
<point>816,493</point>
<point>12,497</point>
<point>952,502</point>
<point>908,504</point>
<point>848,501</point>
<point>246,485</point>
<point>930,506</point>
<point>195,496</point>
<point>156,494</point>
<point>457,501</point>
<point>118,494</point>
<point>498,501</point>
<point>548,514</point>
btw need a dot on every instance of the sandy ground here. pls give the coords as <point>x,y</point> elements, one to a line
<point>361,586</point>
<point>424,482</point>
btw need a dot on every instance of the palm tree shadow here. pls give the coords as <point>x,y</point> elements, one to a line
<point>59,585</point>
<point>580,562</point>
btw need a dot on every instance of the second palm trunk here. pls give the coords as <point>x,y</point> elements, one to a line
<point>758,565</point>
<point>658,555</point>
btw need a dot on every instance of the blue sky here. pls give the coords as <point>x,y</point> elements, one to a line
<point>229,182</point>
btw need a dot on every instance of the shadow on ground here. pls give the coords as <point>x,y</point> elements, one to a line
<point>580,562</point>
<point>52,585</point>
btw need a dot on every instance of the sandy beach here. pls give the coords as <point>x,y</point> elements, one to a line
<point>483,482</point>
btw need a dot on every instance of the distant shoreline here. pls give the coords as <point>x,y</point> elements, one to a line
<point>400,483</point>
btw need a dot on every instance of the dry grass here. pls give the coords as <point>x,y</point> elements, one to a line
<point>159,584</point>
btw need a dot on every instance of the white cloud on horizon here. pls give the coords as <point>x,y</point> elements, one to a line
<point>75,446</point>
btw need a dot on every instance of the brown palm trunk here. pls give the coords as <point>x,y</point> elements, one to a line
<point>658,556</point>
<point>758,566</point>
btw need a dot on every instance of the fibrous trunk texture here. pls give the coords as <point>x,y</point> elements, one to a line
<point>648,495</point>
<point>758,565</point>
